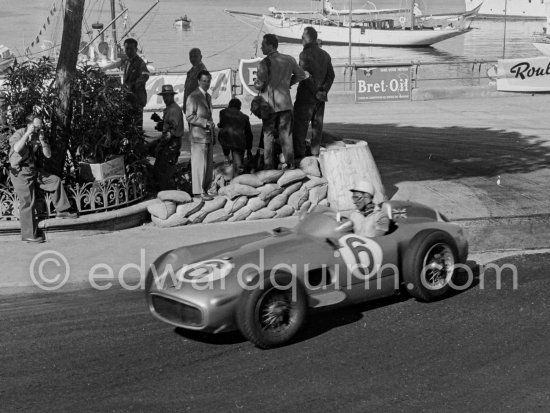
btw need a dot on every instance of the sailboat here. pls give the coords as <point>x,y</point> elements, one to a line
<point>403,27</point>
<point>542,40</point>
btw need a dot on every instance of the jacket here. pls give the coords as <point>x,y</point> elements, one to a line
<point>198,113</point>
<point>317,62</point>
<point>135,78</point>
<point>277,72</point>
<point>235,131</point>
<point>191,82</point>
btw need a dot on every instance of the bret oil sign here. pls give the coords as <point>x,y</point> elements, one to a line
<point>383,83</point>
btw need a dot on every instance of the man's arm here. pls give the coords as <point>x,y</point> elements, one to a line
<point>143,74</point>
<point>19,143</point>
<point>298,73</point>
<point>46,149</point>
<point>262,76</point>
<point>249,137</point>
<point>329,78</point>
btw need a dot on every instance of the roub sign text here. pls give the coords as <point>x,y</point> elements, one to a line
<point>524,75</point>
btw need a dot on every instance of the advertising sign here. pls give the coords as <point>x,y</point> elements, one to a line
<point>383,83</point>
<point>248,70</point>
<point>220,88</point>
<point>524,75</point>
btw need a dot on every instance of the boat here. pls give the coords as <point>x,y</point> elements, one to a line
<point>183,22</point>
<point>515,9</point>
<point>401,27</point>
<point>542,40</point>
<point>6,58</point>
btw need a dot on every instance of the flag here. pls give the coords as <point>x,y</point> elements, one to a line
<point>48,20</point>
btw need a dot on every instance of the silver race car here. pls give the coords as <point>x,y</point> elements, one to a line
<point>263,284</point>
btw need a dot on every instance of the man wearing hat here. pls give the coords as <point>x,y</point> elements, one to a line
<point>369,220</point>
<point>168,147</point>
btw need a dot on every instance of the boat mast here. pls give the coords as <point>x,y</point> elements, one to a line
<point>113,15</point>
<point>412,14</point>
<point>349,30</point>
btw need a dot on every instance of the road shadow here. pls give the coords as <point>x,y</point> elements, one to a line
<point>229,338</point>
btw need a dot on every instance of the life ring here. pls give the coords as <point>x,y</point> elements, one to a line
<point>402,20</point>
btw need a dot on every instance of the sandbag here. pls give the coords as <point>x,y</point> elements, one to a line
<point>305,206</point>
<point>179,197</point>
<point>263,213</point>
<point>233,191</point>
<point>269,191</point>
<point>217,203</point>
<point>314,181</point>
<point>241,214</point>
<point>277,202</point>
<point>291,176</point>
<point>185,210</point>
<point>269,176</point>
<point>317,194</point>
<point>298,198</point>
<point>217,216</point>
<point>248,179</point>
<point>324,202</point>
<point>284,211</point>
<point>310,166</point>
<point>162,209</point>
<point>232,206</point>
<point>256,203</point>
<point>173,221</point>
<point>197,217</point>
<point>290,189</point>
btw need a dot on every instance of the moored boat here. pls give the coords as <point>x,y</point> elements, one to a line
<point>518,9</point>
<point>183,22</point>
<point>6,58</point>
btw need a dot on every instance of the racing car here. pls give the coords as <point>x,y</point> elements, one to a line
<point>264,284</point>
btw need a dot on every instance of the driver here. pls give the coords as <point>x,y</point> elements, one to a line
<point>369,220</point>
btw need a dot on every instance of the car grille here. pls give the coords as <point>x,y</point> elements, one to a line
<point>176,312</point>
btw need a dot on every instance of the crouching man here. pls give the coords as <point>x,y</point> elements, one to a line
<point>24,146</point>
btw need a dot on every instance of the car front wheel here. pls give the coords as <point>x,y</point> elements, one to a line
<point>271,315</point>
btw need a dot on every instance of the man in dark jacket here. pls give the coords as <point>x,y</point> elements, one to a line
<point>135,79</point>
<point>235,134</point>
<point>312,94</point>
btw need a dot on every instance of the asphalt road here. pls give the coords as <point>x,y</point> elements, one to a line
<point>484,349</point>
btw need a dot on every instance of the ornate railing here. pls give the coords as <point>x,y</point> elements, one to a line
<point>88,198</point>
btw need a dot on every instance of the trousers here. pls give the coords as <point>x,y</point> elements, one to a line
<point>202,167</point>
<point>24,182</point>
<point>281,122</point>
<point>304,113</point>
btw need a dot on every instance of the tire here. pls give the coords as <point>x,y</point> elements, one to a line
<point>268,316</point>
<point>428,265</point>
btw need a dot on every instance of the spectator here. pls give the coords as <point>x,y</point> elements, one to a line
<point>277,72</point>
<point>134,80</point>
<point>235,134</point>
<point>199,116</point>
<point>369,220</point>
<point>168,148</point>
<point>24,146</point>
<point>311,95</point>
<point>191,81</point>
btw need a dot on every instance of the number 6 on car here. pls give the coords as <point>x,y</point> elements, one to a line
<point>362,256</point>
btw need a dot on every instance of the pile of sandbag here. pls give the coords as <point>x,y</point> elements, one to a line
<point>265,194</point>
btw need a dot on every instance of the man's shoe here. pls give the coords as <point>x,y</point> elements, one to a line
<point>66,214</point>
<point>206,197</point>
<point>36,240</point>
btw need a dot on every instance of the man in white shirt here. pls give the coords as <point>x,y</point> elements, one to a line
<point>369,220</point>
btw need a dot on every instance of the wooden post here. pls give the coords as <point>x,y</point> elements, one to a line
<point>66,68</point>
<point>345,166</point>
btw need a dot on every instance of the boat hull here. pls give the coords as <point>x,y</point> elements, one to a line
<point>543,47</point>
<point>289,30</point>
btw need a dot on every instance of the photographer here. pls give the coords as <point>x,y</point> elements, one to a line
<point>168,147</point>
<point>24,146</point>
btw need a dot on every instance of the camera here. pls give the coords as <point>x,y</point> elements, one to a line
<point>160,123</point>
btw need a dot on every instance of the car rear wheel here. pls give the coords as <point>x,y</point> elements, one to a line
<point>271,315</point>
<point>428,265</point>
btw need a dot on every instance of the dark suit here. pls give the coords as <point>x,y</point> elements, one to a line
<point>198,113</point>
<point>191,83</point>
<point>134,80</point>
<point>308,107</point>
<point>235,135</point>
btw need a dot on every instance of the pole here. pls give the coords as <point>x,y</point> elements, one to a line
<point>102,31</point>
<point>412,14</point>
<point>349,23</point>
<point>504,40</point>
<point>113,19</point>
<point>140,19</point>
